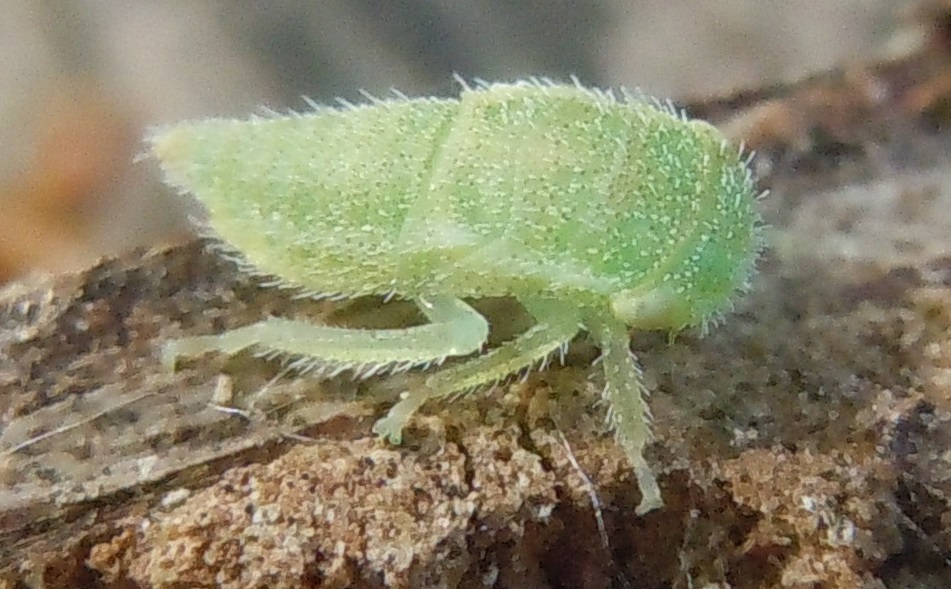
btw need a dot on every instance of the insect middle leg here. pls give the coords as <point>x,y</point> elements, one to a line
<point>455,329</point>
<point>556,324</point>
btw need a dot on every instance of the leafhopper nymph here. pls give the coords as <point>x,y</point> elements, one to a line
<point>596,212</point>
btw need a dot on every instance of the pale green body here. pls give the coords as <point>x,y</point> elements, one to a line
<point>593,212</point>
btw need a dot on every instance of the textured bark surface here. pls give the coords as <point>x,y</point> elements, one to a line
<point>804,443</point>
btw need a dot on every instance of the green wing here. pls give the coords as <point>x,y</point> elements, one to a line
<point>315,199</point>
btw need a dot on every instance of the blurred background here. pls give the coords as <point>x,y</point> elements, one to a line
<point>81,81</point>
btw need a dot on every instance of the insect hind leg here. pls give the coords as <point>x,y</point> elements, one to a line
<point>455,329</point>
<point>556,324</point>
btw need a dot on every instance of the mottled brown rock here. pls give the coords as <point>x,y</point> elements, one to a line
<point>340,514</point>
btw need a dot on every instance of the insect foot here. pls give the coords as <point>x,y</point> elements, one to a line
<point>597,211</point>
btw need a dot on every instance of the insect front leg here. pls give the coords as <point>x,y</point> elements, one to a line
<point>556,324</point>
<point>455,329</point>
<point>628,412</point>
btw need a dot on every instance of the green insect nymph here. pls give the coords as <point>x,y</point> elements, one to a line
<point>596,212</point>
